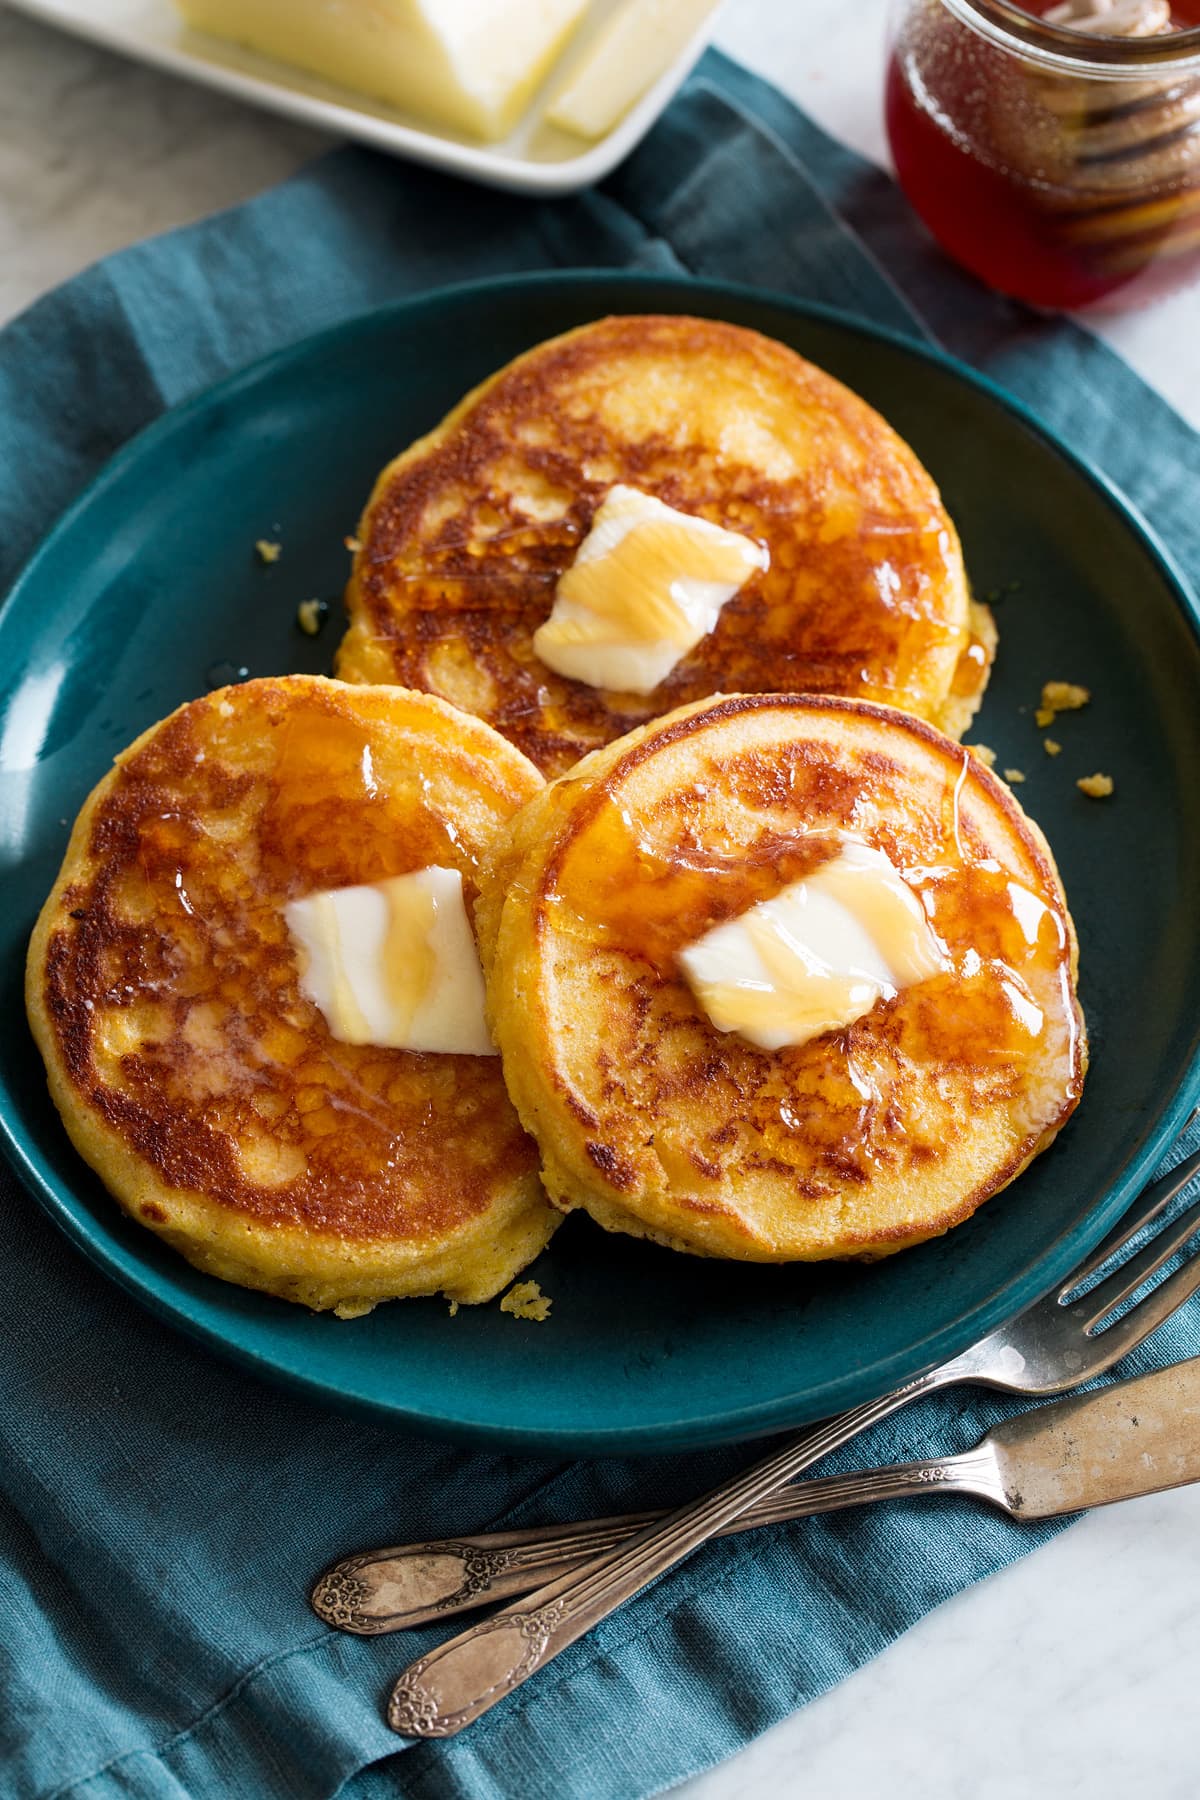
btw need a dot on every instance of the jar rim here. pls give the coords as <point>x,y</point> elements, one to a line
<point>1060,47</point>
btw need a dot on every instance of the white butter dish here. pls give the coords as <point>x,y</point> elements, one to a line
<point>535,158</point>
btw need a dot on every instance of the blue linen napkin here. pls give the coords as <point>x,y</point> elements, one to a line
<point>160,1513</point>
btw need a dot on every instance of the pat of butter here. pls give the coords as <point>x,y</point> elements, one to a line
<point>818,955</point>
<point>636,45</point>
<point>647,584</point>
<point>394,963</point>
<point>470,65</point>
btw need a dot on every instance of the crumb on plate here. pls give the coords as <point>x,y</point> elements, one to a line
<point>526,1301</point>
<point>268,552</point>
<point>311,615</point>
<point>1061,696</point>
<point>353,544</point>
<point>353,1309</point>
<point>984,752</point>
<point>1098,787</point>
<point>1014,774</point>
<point>453,1308</point>
<point>1051,746</point>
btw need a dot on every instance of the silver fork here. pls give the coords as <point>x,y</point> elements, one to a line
<point>1056,1344</point>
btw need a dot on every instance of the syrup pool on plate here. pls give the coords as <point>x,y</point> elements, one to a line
<point>1063,188</point>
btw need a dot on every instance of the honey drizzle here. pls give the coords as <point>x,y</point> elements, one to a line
<point>676,894</point>
<point>324,774</point>
<point>971,673</point>
<point>348,1021</point>
<point>409,959</point>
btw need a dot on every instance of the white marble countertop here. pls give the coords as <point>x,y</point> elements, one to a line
<point>1071,1674</point>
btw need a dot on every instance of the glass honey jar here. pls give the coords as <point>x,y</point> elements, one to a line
<point>1053,150</point>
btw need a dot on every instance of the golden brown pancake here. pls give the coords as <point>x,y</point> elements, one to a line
<point>189,1068</point>
<point>468,531</point>
<point>859,1142</point>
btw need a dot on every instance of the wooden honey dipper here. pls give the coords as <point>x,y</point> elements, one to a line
<point>1128,175</point>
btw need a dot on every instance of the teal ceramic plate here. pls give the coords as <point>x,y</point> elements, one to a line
<point>150,583</point>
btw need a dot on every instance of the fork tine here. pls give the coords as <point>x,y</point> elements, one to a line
<point>1150,1205</point>
<point>1092,1307</point>
<point>1126,1333</point>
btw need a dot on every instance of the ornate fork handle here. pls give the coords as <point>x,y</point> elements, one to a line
<point>411,1584</point>
<point>371,1594</point>
<point>460,1680</point>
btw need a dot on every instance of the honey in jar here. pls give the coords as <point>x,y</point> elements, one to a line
<point>1054,150</point>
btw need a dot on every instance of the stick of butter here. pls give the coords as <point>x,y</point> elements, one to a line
<point>471,65</point>
<point>635,46</point>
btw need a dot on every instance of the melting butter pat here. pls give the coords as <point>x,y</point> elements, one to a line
<point>647,584</point>
<point>818,955</point>
<point>394,963</point>
<point>471,65</point>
